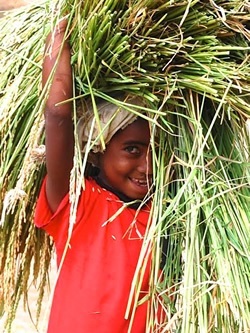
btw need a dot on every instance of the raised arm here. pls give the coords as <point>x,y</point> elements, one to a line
<point>59,137</point>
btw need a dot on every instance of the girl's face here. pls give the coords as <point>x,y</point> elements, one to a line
<point>126,164</point>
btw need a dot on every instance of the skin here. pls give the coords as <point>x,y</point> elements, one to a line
<point>59,137</point>
<point>125,165</point>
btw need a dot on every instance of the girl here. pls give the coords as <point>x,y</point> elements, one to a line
<point>92,290</point>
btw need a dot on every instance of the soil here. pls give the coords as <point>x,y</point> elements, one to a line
<point>25,318</point>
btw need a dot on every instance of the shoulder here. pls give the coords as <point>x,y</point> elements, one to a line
<point>90,193</point>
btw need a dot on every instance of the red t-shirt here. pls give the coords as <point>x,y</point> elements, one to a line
<point>93,287</point>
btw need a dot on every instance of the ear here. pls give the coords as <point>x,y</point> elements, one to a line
<point>93,159</point>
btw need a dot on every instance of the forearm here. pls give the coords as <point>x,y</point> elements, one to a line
<point>59,134</point>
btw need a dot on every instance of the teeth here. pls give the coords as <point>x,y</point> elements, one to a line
<point>142,182</point>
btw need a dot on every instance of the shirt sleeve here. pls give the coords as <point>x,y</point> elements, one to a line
<point>52,222</point>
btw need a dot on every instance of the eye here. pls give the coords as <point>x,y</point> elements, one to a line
<point>132,149</point>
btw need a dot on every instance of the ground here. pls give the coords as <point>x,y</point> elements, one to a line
<point>23,322</point>
<point>10,4</point>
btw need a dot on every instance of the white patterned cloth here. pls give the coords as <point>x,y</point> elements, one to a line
<point>111,119</point>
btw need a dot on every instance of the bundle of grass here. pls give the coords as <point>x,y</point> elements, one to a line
<point>189,60</point>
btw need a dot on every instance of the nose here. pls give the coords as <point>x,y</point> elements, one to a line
<point>145,163</point>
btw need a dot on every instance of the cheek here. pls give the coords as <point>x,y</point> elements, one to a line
<point>114,162</point>
<point>119,168</point>
<point>123,164</point>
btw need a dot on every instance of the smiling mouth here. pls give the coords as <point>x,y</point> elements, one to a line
<point>146,183</point>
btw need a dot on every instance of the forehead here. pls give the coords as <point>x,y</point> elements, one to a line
<point>137,132</point>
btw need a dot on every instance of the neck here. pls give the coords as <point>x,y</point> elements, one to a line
<point>134,203</point>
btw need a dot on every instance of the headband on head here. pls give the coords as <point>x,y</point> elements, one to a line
<point>112,118</point>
